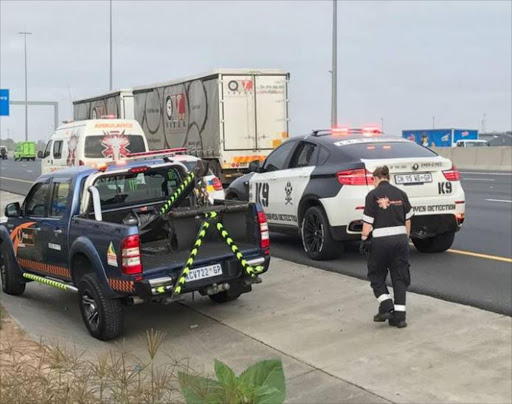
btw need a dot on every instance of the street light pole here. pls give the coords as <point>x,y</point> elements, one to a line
<point>110,82</point>
<point>334,91</point>
<point>26,104</point>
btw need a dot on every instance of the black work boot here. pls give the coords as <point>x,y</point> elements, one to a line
<point>398,319</point>
<point>380,317</point>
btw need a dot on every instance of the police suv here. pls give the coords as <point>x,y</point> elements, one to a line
<point>316,186</point>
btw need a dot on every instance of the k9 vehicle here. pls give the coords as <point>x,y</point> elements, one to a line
<point>316,186</point>
<point>130,233</point>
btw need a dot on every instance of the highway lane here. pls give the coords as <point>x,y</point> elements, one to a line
<point>477,281</point>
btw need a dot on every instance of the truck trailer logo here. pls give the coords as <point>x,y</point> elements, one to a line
<point>175,108</point>
<point>239,86</point>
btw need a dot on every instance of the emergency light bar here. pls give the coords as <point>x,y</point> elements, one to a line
<point>345,131</point>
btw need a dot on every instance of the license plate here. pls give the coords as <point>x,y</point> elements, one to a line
<point>204,272</point>
<point>413,178</point>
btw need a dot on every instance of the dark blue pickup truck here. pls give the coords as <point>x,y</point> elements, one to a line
<point>127,234</point>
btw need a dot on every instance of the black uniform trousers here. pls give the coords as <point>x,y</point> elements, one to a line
<point>389,253</point>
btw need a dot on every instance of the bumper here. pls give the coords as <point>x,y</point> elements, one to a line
<point>160,288</point>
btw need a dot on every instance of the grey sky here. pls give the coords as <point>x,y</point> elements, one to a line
<point>403,61</point>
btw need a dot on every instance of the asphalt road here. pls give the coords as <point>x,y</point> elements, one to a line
<point>475,271</point>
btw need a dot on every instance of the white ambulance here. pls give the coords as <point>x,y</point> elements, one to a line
<point>90,142</point>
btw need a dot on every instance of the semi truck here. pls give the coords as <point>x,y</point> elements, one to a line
<point>228,117</point>
<point>439,137</point>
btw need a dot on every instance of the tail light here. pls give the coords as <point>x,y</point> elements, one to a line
<point>358,176</point>
<point>265,235</point>
<point>81,163</point>
<point>130,255</point>
<point>137,170</point>
<point>217,185</point>
<point>452,174</point>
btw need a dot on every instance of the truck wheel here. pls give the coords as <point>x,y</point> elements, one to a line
<point>316,236</point>
<point>11,282</point>
<point>103,317</point>
<point>224,297</point>
<point>437,244</point>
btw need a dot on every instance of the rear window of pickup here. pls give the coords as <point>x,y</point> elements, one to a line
<point>132,188</point>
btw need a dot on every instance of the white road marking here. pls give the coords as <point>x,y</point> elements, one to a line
<point>15,179</point>
<point>499,200</point>
<point>477,173</point>
<point>478,179</point>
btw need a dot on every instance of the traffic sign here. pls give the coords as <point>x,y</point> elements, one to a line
<point>4,102</point>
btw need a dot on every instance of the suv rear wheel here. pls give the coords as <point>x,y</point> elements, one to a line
<point>437,244</point>
<point>103,317</point>
<point>316,236</point>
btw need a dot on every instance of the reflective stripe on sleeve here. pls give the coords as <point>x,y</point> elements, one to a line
<point>368,219</point>
<point>409,215</point>
<point>399,307</point>
<point>383,298</point>
<point>389,231</point>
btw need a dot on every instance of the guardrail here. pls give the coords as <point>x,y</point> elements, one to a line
<point>484,158</point>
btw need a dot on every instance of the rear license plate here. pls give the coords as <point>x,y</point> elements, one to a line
<point>413,178</point>
<point>204,272</point>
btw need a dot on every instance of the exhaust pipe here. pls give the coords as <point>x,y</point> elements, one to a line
<point>214,289</point>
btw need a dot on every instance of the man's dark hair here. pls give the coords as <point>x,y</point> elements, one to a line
<point>382,172</point>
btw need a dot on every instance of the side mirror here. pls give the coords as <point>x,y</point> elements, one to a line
<point>13,210</point>
<point>254,166</point>
<point>40,154</point>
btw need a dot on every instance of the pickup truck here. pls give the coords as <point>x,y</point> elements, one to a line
<point>128,234</point>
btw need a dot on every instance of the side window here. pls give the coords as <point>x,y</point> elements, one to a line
<point>277,159</point>
<point>37,199</point>
<point>57,149</point>
<point>303,154</point>
<point>48,149</point>
<point>60,196</point>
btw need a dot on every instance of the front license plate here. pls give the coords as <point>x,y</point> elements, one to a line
<point>204,272</point>
<point>413,178</point>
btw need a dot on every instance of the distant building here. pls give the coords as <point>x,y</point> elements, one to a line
<point>498,138</point>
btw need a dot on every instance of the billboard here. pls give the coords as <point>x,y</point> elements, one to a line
<point>464,134</point>
<point>4,102</point>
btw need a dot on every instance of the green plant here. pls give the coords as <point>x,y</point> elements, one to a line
<point>262,383</point>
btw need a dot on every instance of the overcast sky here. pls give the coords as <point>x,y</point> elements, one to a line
<point>403,61</point>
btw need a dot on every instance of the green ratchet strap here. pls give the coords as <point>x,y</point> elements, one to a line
<point>176,194</point>
<point>212,217</point>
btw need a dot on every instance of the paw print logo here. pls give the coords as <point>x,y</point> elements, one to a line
<point>383,203</point>
<point>288,190</point>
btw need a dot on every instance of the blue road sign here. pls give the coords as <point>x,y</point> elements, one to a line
<point>4,102</point>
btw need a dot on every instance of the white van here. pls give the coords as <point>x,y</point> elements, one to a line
<point>472,143</point>
<point>91,142</point>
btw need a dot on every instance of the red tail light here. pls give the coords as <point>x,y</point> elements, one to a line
<point>136,170</point>
<point>265,235</point>
<point>452,174</point>
<point>358,176</point>
<point>81,163</point>
<point>130,255</point>
<point>217,185</point>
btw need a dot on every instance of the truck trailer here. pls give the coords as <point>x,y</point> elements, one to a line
<point>439,137</point>
<point>228,117</point>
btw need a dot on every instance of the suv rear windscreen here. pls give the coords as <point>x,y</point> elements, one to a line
<point>387,150</point>
<point>113,146</point>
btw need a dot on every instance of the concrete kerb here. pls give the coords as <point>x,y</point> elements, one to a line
<point>484,158</point>
<point>320,324</point>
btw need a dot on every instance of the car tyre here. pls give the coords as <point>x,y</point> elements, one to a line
<point>103,317</point>
<point>11,282</point>
<point>316,235</point>
<point>224,297</point>
<point>437,244</point>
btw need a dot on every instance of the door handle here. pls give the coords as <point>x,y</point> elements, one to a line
<point>57,231</point>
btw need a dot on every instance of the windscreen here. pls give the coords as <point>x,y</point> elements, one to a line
<point>113,146</point>
<point>387,150</point>
<point>134,188</point>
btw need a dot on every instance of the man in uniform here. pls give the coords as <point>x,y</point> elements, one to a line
<point>387,215</point>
